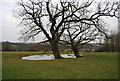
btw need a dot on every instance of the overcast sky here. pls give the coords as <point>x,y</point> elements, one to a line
<point>8,24</point>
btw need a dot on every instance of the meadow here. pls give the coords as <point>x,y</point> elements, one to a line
<point>93,65</point>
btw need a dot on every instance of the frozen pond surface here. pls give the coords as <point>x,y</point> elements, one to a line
<point>46,57</point>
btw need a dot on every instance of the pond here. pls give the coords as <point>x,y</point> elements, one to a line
<point>46,57</point>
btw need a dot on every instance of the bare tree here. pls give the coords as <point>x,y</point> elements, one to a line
<point>39,16</point>
<point>91,28</point>
<point>111,44</point>
<point>51,19</point>
<point>80,34</point>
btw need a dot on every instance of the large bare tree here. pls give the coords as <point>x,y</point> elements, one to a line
<point>51,18</point>
<point>91,28</point>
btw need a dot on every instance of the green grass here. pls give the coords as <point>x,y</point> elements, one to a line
<point>91,66</point>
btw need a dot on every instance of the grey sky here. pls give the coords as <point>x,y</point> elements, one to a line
<point>8,24</point>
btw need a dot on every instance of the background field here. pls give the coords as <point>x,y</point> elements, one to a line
<point>93,65</point>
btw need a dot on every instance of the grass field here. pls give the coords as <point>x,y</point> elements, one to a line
<point>91,66</point>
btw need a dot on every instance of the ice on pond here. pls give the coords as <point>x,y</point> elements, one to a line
<point>46,57</point>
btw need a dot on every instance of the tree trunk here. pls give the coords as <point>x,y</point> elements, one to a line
<point>55,50</point>
<point>76,51</point>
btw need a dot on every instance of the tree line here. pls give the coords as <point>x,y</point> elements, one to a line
<point>11,46</point>
<point>110,44</point>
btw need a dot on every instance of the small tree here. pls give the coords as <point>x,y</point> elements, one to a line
<point>111,44</point>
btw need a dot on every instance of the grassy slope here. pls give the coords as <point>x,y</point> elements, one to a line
<point>91,66</point>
